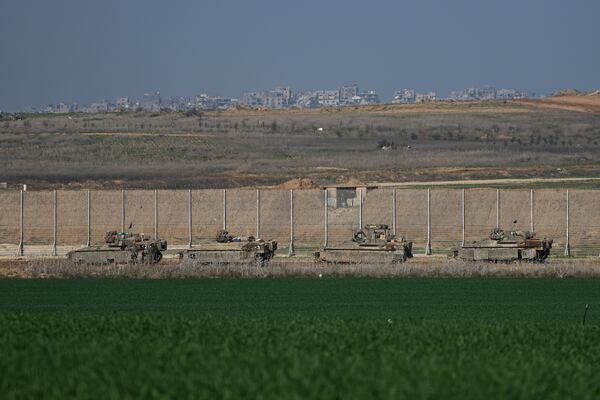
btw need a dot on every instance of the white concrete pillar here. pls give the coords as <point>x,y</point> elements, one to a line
<point>497,208</point>
<point>394,212</point>
<point>257,213</point>
<point>568,240</point>
<point>20,249</point>
<point>54,222</point>
<point>224,209</point>
<point>189,218</point>
<point>326,219</point>
<point>462,242</point>
<point>89,219</point>
<point>428,245</point>
<point>122,210</point>
<point>291,246</point>
<point>156,214</point>
<point>531,224</point>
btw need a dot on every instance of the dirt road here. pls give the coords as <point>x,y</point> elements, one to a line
<point>486,182</point>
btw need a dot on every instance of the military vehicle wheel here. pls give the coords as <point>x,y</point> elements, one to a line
<point>151,256</point>
<point>359,237</point>
<point>132,260</point>
<point>259,262</point>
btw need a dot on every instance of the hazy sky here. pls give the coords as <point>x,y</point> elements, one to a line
<point>79,50</point>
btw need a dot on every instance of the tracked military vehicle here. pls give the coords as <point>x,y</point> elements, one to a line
<point>515,245</point>
<point>374,244</point>
<point>121,248</point>
<point>229,249</point>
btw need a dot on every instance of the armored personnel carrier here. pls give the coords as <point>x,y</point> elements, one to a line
<point>515,245</point>
<point>374,244</point>
<point>229,249</point>
<point>121,248</point>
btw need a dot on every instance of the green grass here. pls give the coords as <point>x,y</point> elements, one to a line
<point>300,338</point>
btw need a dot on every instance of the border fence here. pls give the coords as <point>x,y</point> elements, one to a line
<point>52,222</point>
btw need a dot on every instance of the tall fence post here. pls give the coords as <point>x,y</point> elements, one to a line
<point>497,208</point>
<point>567,244</point>
<point>462,242</point>
<point>326,219</point>
<point>394,211</point>
<point>54,222</point>
<point>123,210</point>
<point>531,225</point>
<point>291,247</point>
<point>189,218</point>
<point>21,227</point>
<point>88,242</point>
<point>156,214</point>
<point>224,209</point>
<point>257,213</point>
<point>428,245</point>
<point>360,208</point>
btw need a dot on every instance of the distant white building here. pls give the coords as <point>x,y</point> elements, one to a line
<point>151,102</point>
<point>286,94</point>
<point>307,99</point>
<point>347,93</point>
<point>252,99</point>
<point>486,93</point>
<point>368,97</point>
<point>425,97</point>
<point>328,97</point>
<point>279,97</point>
<point>103,106</point>
<point>404,96</point>
<point>123,103</point>
<point>274,99</point>
<point>62,108</point>
<point>207,102</point>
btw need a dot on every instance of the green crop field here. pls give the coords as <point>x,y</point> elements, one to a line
<point>300,338</point>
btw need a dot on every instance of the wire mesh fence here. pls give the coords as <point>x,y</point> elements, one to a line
<point>438,218</point>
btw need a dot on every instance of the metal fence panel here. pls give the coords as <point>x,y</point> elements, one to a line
<point>275,216</point>
<point>446,219</point>
<point>343,214</point>
<point>105,213</point>
<point>9,217</point>
<point>72,217</point>
<point>139,211</point>
<point>480,211</point>
<point>377,207</point>
<point>173,216</point>
<point>38,218</point>
<point>584,221</point>
<point>241,212</point>
<point>514,206</point>
<point>549,210</point>
<point>207,214</point>
<point>484,208</point>
<point>411,215</point>
<point>309,218</point>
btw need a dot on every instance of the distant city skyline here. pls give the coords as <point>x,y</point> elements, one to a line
<point>73,51</point>
<point>278,97</point>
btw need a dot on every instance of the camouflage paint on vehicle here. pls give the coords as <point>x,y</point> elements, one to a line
<point>374,244</point>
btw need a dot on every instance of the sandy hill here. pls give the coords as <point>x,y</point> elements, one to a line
<point>571,99</point>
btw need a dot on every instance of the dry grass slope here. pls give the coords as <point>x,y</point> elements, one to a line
<point>268,147</point>
<point>444,269</point>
